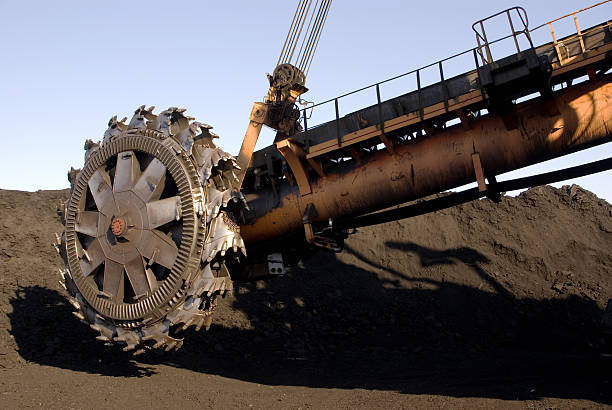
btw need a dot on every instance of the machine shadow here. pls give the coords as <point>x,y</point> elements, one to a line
<point>47,333</point>
<point>331,324</point>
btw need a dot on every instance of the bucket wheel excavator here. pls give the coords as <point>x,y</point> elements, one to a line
<point>152,218</point>
<point>160,221</point>
<point>148,227</point>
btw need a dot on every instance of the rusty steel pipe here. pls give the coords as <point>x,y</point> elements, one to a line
<point>576,118</point>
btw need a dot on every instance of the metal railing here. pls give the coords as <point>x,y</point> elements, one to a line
<point>579,33</point>
<point>476,51</point>
<point>481,36</point>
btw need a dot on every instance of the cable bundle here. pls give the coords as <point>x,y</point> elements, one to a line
<point>310,38</point>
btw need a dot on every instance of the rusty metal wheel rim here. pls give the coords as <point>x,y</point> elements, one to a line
<point>124,225</point>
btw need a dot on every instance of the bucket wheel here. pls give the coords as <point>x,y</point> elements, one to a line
<point>148,226</point>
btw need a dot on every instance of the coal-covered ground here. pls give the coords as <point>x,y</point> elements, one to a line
<point>480,306</point>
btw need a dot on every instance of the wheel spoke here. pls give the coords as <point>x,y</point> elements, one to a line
<point>151,183</point>
<point>113,275</point>
<point>136,273</point>
<point>153,283</point>
<point>163,211</point>
<point>100,187</point>
<point>158,248</point>
<point>92,258</point>
<point>127,171</point>
<point>87,223</point>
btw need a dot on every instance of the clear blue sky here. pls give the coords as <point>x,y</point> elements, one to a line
<point>68,66</point>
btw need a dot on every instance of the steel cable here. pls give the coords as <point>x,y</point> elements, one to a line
<point>316,7</point>
<point>313,36</point>
<point>309,41</point>
<point>307,67</point>
<point>294,32</point>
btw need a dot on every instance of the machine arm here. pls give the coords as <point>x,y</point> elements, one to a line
<point>287,82</point>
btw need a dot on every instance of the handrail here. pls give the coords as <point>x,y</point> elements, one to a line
<point>579,33</point>
<point>407,73</point>
<point>482,35</point>
<point>474,50</point>
<point>570,14</point>
<point>415,71</point>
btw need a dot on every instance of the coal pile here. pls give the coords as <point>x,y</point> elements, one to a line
<point>525,282</point>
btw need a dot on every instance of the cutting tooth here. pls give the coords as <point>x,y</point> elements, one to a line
<point>79,315</point>
<point>158,344</point>
<point>65,274</point>
<point>214,201</point>
<point>106,330</point>
<point>200,282</point>
<point>114,128</point>
<point>129,337</point>
<point>162,122</point>
<point>90,147</point>
<point>208,322</point>
<point>159,333</point>
<point>138,121</point>
<point>207,158</point>
<point>187,135</point>
<point>223,233</point>
<point>200,323</point>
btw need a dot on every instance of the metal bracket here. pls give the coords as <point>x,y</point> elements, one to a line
<point>482,185</point>
<point>293,154</point>
<point>491,189</point>
<point>355,154</point>
<point>466,118</point>
<point>309,214</point>
<point>492,192</point>
<point>591,73</point>
<point>388,143</point>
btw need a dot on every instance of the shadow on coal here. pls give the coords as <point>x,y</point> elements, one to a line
<point>47,333</point>
<point>333,325</point>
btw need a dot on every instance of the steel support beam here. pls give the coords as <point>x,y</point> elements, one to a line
<point>442,161</point>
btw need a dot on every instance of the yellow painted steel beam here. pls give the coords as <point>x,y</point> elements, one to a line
<point>259,115</point>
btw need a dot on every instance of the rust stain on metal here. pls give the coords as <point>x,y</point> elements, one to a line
<point>584,110</point>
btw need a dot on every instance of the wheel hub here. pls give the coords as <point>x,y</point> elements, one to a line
<point>118,226</point>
